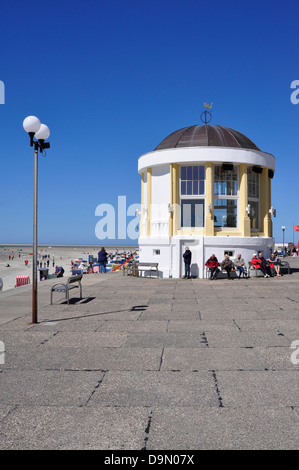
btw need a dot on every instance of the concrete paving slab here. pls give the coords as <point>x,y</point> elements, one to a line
<point>277,358</point>
<point>144,326</point>
<point>259,388</point>
<point>114,359</point>
<point>81,339</point>
<point>147,388</point>
<point>48,387</point>
<point>165,339</point>
<point>223,429</point>
<point>191,315</point>
<point>210,359</point>
<point>74,428</point>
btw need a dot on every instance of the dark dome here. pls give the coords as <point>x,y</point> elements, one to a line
<point>206,135</point>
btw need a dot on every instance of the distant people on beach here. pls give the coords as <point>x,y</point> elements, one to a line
<point>59,271</point>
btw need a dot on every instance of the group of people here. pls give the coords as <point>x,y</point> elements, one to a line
<point>269,267</point>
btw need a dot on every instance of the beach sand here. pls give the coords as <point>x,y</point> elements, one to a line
<point>63,255</point>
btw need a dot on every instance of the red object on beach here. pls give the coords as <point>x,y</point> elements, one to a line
<point>122,264</point>
<point>22,281</point>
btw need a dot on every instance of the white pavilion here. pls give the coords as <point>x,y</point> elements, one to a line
<point>206,187</point>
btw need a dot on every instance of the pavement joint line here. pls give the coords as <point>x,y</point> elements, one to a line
<point>217,389</point>
<point>161,359</point>
<point>147,430</point>
<point>234,321</point>
<point>95,388</point>
<point>204,339</point>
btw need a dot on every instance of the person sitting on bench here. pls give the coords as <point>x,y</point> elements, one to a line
<point>213,264</point>
<point>260,263</point>
<point>228,266</point>
<point>240,265</point>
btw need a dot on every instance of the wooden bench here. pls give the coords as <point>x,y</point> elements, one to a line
<point>72,283</point>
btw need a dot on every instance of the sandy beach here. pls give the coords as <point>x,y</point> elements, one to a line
<point>16,255</point>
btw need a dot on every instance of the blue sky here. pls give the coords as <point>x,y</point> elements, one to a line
<point>113,79</point>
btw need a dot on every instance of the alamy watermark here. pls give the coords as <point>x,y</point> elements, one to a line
<point>106,226</point>
<point>295,354</point>
<point>295,95</point>
<point>2,92</point>
<point>2,353</point>
<point>114,220</point>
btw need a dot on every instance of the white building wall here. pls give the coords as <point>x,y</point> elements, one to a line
<point>160,201</point>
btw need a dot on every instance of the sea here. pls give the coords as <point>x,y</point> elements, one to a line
<point>23,249</point>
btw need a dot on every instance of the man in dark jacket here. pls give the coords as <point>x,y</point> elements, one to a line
<point>102,259</point>
<point>187,260</point>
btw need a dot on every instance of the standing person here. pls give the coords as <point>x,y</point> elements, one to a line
<point>102,259</point>
<point>228,266</point>
<point>213,265</point>
<point>294,251</point>
<point>240,265</point>
<point>187,260</point>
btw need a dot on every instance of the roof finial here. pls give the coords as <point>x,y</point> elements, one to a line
<point>207,115</point>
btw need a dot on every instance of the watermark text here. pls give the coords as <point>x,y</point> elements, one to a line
<point>2,353</point>
<point>2,92</point>
<point>295,94</point>
<point>295,353</point>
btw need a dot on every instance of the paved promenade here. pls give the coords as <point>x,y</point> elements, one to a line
<point>152,364</point>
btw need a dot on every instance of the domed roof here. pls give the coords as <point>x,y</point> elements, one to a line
<point>206,135</point>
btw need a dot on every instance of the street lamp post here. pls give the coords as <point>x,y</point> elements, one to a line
<point>40,132</point>
<point>283,229</point>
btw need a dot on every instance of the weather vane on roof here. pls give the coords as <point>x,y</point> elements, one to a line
<point>206,116</point>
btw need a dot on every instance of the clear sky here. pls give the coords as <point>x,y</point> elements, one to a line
<point>113,78</point>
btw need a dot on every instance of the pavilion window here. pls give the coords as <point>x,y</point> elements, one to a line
<point>192,193</point>
<point>253,179</point>
<point>225,197</point>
